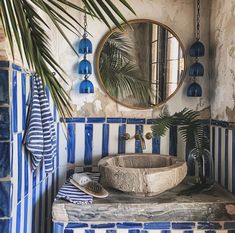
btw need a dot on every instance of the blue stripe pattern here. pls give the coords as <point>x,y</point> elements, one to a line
<point>74,195</point>
<point>105,140</point>
<point>40,137</point>
<point>138,130</point>
<point>71,143</point>
<point>156,142</point>
<point>121,141</point>
<point>173,141</point>
<point>88,144</point>
<point>14,103</point>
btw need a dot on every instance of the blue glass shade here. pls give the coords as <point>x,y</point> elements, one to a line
<point>196,69</point>
<point>86,86</point>
<point>194,90</point>
<point>85,46</point>
<point>197,49</point>
<point>84,67</point>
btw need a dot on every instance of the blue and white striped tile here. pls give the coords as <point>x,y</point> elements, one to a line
<point>114,138</point>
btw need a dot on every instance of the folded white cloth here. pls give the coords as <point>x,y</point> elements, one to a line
<point>73,194</point>
<point>40,136</point>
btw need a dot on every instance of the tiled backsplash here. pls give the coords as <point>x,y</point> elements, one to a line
<point>90,139</point>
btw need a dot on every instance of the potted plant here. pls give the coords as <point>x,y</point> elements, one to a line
<point>195,135</point>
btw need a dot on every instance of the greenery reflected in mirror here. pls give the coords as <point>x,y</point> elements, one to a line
<point>142,66</point>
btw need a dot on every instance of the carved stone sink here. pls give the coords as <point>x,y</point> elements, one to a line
<point>142,174</point>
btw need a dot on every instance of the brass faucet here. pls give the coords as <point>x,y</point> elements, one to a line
<point>139,136</point>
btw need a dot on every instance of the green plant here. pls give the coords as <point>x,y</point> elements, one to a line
<point>24,25</point>
<point>193,132</point>
<point>189,125</point>
<point>119,72</point>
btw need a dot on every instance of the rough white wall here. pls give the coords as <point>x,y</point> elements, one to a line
<point>223,60</point>
<point>176,14</point>
<point>179,16</point>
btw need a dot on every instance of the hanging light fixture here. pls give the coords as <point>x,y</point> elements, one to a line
<point>196,69</point>
<point>85,47</point>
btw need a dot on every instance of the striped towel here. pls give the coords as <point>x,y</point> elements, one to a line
<point>73,194</point>
<point>40,136</point>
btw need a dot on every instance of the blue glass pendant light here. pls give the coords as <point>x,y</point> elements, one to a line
<point>84,67</point>
<point>194,90</point>
<point>196,69</point>
<point>85,47</point>
<point>86,87</point>
<point>197,49</point>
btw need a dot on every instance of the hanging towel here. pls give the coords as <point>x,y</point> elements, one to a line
<point>40,136</point>
<point>73,194</point>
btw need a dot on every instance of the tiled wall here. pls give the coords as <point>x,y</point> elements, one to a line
<point>147,227</point>
<point>25,196</point>
<point>90,139</point>
<point>223,151</point>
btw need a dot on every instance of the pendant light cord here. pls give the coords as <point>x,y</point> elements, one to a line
<point>85,27</point>
<point>85,23</point>
<point>198,20</point>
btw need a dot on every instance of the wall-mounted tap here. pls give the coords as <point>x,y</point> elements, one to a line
<point>140,137</point>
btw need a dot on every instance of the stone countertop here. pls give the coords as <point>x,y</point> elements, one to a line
<point>214,205</point>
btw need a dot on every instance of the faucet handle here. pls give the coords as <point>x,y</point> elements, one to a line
<point>148,135</point>
<point>138,136</point>
<point>126,136</point>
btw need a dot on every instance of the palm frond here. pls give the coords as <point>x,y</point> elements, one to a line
<point>119,72</point>
<point>193,132</point>
<point>25,26</point>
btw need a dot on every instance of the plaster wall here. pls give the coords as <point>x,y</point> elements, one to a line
<point>223,60</point>
<point>180,18</point>
<point>178,15</point>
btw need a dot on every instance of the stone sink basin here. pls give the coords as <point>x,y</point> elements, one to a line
<point>142,174</point>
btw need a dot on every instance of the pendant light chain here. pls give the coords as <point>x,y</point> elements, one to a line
<point>85,31</point>
<point>196,50</point>
<point>85,23</point>
<point>198,19</point>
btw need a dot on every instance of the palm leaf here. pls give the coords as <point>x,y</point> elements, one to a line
<point>119,72</point>
<point>23,24</point>
<point>193,132</point>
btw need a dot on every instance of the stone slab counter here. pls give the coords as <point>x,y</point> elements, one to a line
<point>214,205</point>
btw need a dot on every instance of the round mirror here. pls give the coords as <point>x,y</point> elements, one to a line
<point>142,66</point>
